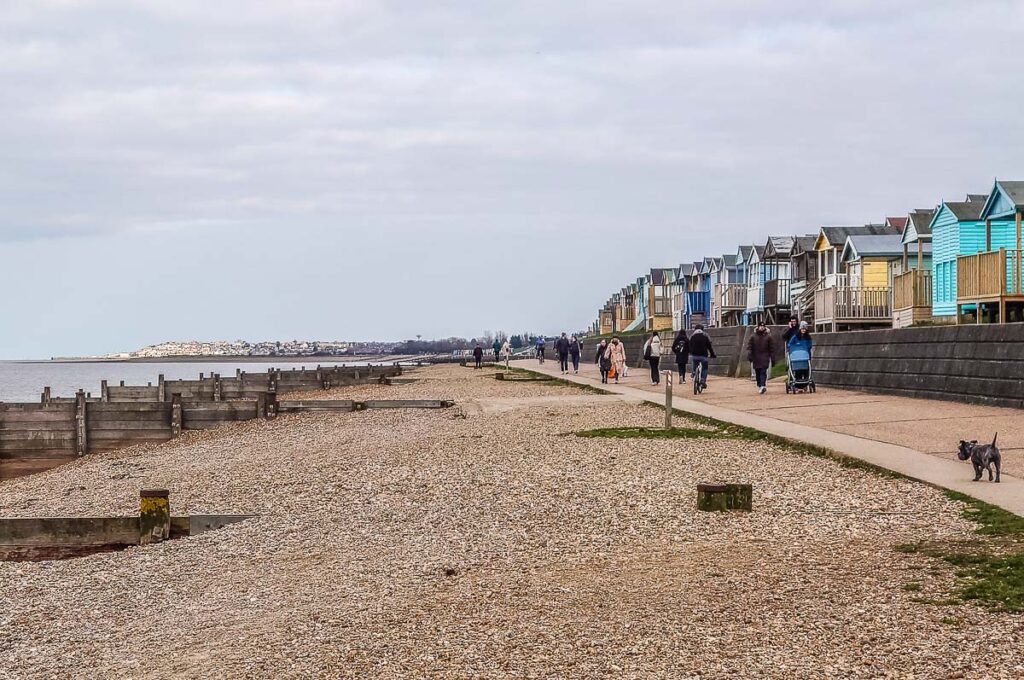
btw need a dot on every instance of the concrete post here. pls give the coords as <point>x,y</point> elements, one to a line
<point>154,516</point>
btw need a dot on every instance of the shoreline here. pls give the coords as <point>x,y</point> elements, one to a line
<point>216,359</point>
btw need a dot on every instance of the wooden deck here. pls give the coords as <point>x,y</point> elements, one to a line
<point>844,307</point>
<point>990,287</point>
<point>911,297</point>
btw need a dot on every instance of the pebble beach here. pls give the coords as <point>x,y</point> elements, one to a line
<point>488,541</point>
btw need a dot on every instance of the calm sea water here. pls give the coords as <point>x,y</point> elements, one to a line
<point>24,381</point>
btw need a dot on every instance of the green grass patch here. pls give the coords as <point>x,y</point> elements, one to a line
<point>991,520</point>
<point>778,370</point>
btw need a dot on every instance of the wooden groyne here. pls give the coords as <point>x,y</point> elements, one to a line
<point>39,436</point>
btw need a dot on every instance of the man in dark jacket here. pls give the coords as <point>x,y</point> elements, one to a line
<point>700,351</point>
<point>759,353</point>
<point>478,354</point>
<point>791,331</point>
<point>497,349</point>
<point>562,349</point>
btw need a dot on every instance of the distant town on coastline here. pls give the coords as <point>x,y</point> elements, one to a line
<point>311,348</point>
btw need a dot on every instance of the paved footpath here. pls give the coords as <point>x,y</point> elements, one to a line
<point>915,437</point>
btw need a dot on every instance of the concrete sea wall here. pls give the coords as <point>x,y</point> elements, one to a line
<point>981,364</point>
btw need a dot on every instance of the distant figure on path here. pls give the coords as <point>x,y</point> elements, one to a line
<point>562,349</point>
<point>506,352</point>
<point>700,351</point>
<point>540,349</point>
<point>478,354</point>
<point>790,331</point>
<point>575,349</point>
<point>681,348</point>
<point>616,354</point>
<point>802,339</point>
<point>602,361</point>
<point>497,349</point>
<point>652,353</point>
<point>759,353</point>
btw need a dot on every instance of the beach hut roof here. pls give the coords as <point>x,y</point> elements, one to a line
<point>871,245</point>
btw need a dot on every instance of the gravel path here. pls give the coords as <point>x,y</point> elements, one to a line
<point>485,541</point>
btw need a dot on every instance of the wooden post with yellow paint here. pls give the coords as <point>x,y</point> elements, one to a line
<point>154,516</point>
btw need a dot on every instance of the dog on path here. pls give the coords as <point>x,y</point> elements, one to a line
<point>982,457</point>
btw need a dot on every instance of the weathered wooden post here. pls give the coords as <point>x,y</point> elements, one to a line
<point>725,497</point>
<point>176,415</point>
<point>154,516</point>
<point>104,393</point>
<point>668,399</point>
<point>161,388</point>
<point>216,386</point>
<point>81,440</point>
<point>46,395</point>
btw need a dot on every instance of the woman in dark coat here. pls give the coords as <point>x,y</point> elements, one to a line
<point>681,348</point>
<point>759,353</point>
<point>603,362</point>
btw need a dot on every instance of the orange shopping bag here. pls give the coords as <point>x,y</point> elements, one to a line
<point>611,372</point>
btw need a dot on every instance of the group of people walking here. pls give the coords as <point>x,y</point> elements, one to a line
<point>696,350</point>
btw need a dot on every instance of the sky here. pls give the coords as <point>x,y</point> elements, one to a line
<point>379,170</point>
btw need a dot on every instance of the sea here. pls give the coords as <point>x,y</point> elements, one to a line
<point>23,381</point>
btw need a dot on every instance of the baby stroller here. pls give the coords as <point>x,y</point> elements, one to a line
<point>799,379</point>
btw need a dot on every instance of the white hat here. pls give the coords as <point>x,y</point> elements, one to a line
<point>803,324</point>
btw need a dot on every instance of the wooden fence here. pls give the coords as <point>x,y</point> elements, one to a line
<point>35,437</point>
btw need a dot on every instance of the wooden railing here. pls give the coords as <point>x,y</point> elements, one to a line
<point>989,275</point>
<point>852,304</point>
<point>733,295</point>
<point>776,293</point>
<point>912,289</point>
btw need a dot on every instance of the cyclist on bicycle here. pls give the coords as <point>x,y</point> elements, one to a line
<point>700,351</point>
<point>540,349</point>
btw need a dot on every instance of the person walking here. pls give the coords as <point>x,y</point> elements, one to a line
<point>616,355</point>
<point>497,349</point>
<point>506,352</point>
<point>602,361</point>
<point>802,339</point>
<point>760,351</point>
<point>562,350</point>
<point>681,348</point>
<point>790,331</point>
<point>575,349</point>
<point>478,354</point>
<point>701,351</point>
<point>652,353</point>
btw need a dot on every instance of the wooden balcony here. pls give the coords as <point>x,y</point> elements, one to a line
<point>989,277</point>
<point>776,293</point>
<point>911,297</point>
<point>732,296</point>
<point>912,289</point>
<point>845,307</point>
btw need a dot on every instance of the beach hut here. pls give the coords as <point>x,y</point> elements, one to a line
<point>989,278</point>
<point>957,229</point>
<point>754,310</point>
<point>775,265</point>
<point>803,272</point>
<point>912,274</point>
<point>837,304</point>
<point>680,286</point>
<point>658,304</point>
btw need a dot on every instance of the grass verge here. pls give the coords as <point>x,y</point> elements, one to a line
<point>990,570</point>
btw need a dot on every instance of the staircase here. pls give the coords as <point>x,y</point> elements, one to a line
<point>803,304</point>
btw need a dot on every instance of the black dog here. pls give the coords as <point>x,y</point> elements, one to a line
<point>982,457</point>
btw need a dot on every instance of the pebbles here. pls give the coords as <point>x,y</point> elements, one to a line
<point>486,541</point>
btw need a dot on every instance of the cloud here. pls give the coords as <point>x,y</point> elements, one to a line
<point>700,125</point>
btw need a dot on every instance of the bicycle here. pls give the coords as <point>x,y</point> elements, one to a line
<point>698,377</point>
<point>540,354</point>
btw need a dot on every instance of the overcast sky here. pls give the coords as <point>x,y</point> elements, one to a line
<point>353,170</point>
